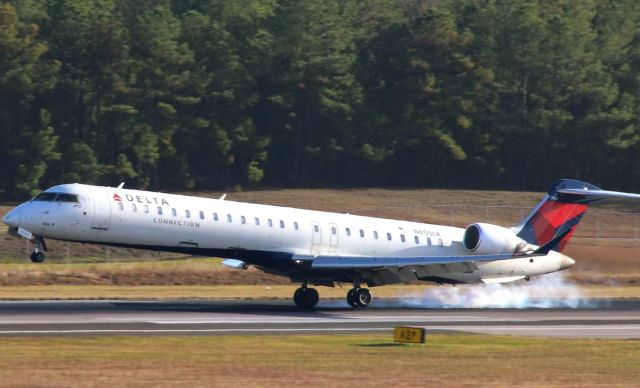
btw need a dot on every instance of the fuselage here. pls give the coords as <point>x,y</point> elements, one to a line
<point>262,235</point>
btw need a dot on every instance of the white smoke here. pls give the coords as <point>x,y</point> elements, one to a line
<point>549,291</point>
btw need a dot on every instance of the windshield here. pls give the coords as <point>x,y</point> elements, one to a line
<point>63,197</point>
<point>46,197</point>
<point>58,197</point>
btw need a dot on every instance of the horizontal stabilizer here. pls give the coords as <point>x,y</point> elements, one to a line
<point>598,193</point>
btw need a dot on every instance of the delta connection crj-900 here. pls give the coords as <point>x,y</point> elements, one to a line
<point>311,247</point>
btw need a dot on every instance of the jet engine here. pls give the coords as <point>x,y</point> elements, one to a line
<point>487,239</point>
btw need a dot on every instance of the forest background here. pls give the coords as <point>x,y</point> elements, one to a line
<point>207,94</point>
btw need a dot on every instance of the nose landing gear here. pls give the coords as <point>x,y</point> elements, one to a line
<point>38,256</point>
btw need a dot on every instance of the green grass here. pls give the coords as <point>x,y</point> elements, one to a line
<point>340,360</point>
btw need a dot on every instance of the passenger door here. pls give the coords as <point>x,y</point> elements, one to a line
<point>101,210</point>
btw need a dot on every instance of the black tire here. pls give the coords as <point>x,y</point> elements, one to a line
<point>306,298</point>
<point>311,298</point>
<point>351,297</point>
<point>298,297</point>
<point>363,297</point>
<point>37,257</point>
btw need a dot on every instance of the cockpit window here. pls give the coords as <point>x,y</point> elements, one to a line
<point>67,198</point>
<point>46,197</point>
<point>58,197</point>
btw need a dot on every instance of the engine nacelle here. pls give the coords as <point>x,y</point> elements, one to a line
<point>487,239</point>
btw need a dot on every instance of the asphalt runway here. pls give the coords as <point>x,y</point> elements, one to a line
<point>610,319</point>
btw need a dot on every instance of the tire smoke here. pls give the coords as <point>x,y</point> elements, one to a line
<point>549,291</point>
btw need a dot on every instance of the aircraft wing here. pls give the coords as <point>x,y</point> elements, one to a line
<point>372,262</point>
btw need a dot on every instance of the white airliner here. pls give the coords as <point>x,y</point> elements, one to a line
<point>311,246</point>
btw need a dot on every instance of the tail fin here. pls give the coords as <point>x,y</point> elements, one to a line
<point>560,211</point>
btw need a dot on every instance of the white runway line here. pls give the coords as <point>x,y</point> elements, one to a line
<point>553,330</point>
<point>143,331</point>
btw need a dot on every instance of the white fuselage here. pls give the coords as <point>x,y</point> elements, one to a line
<point>160,221</point>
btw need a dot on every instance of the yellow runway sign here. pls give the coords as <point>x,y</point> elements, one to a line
<point>413,335</point>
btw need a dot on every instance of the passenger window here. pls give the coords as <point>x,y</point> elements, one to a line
<point>201,215</point>
<point>159,211</point>
<point>402,238</point>
<point>316,228</point>
<point>375,234</point>
<point>215,216</point>
<point>257,220</point>
<point>229,219</point>
<point>428,240</point>
<point>133,207</point>
<point>120,206</point>
<point>416,239</point>
<point>243,220</point>
<point>389,236</point>
<point>282,224</point>
<point>270,222</point>
<point>348,231</point>
<point>361,233</point>
<point>295,225</point>
<point>146,209</point>
<point>174,212</point>
<point>333,230</point>
<point>187,213</point>
<point>440,242</point>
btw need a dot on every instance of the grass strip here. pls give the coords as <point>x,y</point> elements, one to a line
<point>312,360</point>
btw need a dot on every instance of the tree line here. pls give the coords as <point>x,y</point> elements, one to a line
<point>202,94</point>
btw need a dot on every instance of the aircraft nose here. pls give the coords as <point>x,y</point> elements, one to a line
<point>566,262</point>
<point>12,218</point>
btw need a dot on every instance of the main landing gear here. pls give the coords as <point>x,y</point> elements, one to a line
<point>306,298</point>
<point>359,297</point>
<point>38,256</point>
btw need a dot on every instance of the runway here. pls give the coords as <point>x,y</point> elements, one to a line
<point>610,319</point>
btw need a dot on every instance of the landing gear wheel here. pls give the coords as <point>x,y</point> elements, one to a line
<point>359,297</point>
<point>306,298</point>
<point>37,257</point>
<point>351,298</point>
<point>363,297</point>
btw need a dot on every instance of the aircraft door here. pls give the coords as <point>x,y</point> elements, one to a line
<point>101,210</point>
<point>316,237</point>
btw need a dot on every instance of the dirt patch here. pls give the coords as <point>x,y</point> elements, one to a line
<point>604,259</point>
<point>137,276</point>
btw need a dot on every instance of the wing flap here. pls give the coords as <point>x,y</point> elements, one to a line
<point>507,279</point>
<point>371,262</point>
